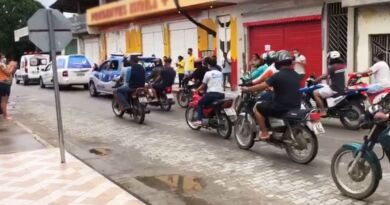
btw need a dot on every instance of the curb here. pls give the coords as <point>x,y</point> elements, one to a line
<point>36,137</point>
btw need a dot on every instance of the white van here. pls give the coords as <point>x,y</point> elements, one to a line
<point>72,70</point>
<point>29,68</point>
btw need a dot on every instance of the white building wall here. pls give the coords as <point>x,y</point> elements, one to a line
<point>370,20</point>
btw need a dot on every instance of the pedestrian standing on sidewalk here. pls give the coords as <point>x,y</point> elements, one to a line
<point>227,64</point>
<point>6,73</point>
<point>180,70</point>
<point>190,62</point>
<point>299,63</point>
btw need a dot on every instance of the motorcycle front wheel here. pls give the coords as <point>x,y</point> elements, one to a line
<point>305,147</point>
<point>182,99</point>
<point>116,108</point>
<point>243,133</point>
<point>361,182</point>
<point>352,118</point>
<point>224,126</point>
<point>191,118</point>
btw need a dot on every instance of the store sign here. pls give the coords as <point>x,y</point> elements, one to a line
<point>132,9</point>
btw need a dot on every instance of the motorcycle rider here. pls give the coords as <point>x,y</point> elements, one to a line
<point>198,74</point>
<point>166,77</point>
<point>336,74</point>
<point>286,85</point>
<point>136,79</point>
<point>158,66</point>
<point>381,72</point>
<point>213,80</point>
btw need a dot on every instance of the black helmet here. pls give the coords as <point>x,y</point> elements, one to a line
<point>283,58</point>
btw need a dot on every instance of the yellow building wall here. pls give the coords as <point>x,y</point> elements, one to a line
<point>203,36</point>
<point>133,41</point>
<point>103,48</point>
<point>167,42</point>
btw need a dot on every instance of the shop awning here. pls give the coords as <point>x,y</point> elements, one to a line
<point>353,3</point>
<point>128,10</point>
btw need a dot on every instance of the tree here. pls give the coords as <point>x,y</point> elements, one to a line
<point>14,15</point>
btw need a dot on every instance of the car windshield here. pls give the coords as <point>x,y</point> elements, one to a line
<point>78,62</point>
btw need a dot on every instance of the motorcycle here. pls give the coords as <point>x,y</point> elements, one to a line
<point>184,96</point>
<point>220,115</point>
<point>296,131</point>
<point>348,107</point>
<point>354,82</point>
<point>137,105</point>
<point>164,99</point>
<point>355,167</point>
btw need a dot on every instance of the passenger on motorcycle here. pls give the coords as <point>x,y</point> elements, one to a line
<point>268,71</point>
<point>381,72</point>
<point>198,74</point>
<point>336,74</point>
<point>213,81</point>
<point>166,77</point>
<point>135,79</point>
<point>286,85</point>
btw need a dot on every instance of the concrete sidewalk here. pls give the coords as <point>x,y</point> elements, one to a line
<point>31,173</point>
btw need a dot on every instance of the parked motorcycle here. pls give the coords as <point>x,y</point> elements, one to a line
<point>356,168</point>
<point>163,99</point>
<point>137,109</point>
<point>220,115</point>
<point>296,131</point>
<point>184,96</point>
<point>348,107</point>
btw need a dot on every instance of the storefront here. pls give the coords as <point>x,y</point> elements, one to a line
<point>152,40</point>
<point>91,49</point>
<point>183,35</point>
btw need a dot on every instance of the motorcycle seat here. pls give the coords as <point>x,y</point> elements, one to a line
<point>224,103</point>
<point>296,114</point>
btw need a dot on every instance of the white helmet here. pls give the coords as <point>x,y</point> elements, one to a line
<point>333,55</point>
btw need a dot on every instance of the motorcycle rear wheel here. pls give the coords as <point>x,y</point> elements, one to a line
<point>359,176</point>
<point>309,139</point>
<point>225,128</point>
<point>164,103</point>
<point>138,112</point>
<point>352,118</point>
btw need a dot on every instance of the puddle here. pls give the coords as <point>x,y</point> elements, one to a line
<point>184,186</point>
<point>100,151</point>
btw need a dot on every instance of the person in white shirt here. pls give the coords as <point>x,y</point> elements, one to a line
<point>381,72</point>
<point>299,63</point>
<point>213,80</point>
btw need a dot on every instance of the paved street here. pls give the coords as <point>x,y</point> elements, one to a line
<point>164,162</point>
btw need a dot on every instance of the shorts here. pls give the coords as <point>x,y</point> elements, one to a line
<point>326,92</point>
<point>5,89</point>
<point>268,109</point>
<point>376,88</point>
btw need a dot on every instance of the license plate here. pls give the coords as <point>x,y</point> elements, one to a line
<point>80,74</point>
<point>318,128</point>
<point>170,96</point>
<point>230,112</point>
<point>143,100</point>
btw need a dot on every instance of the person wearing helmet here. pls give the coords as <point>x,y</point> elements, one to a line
<point>336,74</point>
<point>286,85</point>
<point>381,72</point>
<point>213,83</point>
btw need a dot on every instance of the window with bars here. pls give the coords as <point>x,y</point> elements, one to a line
<point>380,44</point>
<point>338,29</point>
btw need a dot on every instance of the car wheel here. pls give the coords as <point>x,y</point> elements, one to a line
<point>41,83</point>
<point>86,86</point>
<point>92,89</point>
<point>25,81</point>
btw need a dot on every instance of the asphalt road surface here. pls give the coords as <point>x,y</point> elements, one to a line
<point>164,162</point>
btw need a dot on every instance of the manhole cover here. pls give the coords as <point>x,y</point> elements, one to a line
<point>100,151</point>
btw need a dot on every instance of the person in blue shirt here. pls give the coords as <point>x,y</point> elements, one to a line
<point>134,78</point>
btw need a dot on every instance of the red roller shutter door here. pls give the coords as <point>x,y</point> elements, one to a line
<point>305,35</point>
